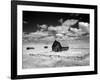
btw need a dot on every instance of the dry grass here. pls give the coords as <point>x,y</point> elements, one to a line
<point>77,55</point>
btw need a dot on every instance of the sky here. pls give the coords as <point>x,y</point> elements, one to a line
<point>32,18</point>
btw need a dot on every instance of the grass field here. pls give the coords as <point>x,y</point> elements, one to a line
<point>39,57</point>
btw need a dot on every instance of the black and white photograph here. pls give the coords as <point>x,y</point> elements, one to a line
<point>53,39</point>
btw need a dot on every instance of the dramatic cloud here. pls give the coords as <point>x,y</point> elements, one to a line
<point>64,27</point>
<point>63,31</point>
<point>83,29</point>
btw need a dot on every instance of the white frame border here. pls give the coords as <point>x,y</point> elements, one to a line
<point>21,71</point>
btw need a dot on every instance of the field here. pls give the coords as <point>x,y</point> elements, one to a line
<point>40,57</point>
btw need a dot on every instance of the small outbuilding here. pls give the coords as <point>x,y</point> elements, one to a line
<point>57,47</point>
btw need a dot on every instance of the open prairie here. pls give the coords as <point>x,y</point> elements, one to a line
<point>40,57</point>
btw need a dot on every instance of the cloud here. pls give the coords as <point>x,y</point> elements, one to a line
<point>69,22</point>
<point>63,29</point>
<point>59,35</point>
<point>35,35</point>
<point>50,32</point>
<point>60,20</point>
<point>43,26</point>
<point>38,34</point>
<point>59,29</point>
<point>84,26</point>
<point>83,29</point>
<point>51,28</point>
